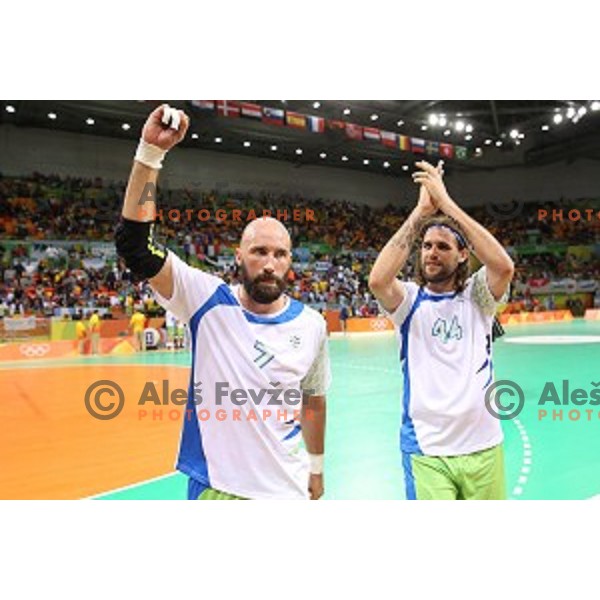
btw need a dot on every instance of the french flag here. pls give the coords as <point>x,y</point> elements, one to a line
<point>316,124</point>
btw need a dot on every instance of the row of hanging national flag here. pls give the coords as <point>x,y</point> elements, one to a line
<point>281,117</point>
<point>271,116</point>
<point>402,142</point>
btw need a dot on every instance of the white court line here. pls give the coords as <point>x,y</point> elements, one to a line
<point>51,365</point>
<point>128,487</point>
<point>365,368</point>
<point>129,365</point>
<point>525,468</point>
<point>526,463</point>
<point>340,335</point>
<point>145,481</point>
<point>516,491</point>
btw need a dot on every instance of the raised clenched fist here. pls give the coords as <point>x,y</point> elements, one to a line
<point>165,127</point>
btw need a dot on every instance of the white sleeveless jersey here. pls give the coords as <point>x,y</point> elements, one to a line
<point>446,358</point>
<point>241,431</point>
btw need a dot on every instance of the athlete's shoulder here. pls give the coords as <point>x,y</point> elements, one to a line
<point>193,276</point>
<point>312,317</point>
<point>411,288</point>
<point>478,291</point>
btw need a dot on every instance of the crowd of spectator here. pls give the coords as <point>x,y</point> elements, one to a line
<point>64,208</point>
<point>340,244</point>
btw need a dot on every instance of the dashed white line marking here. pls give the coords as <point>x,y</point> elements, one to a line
<point>526,463</point>
<point>525,468</point>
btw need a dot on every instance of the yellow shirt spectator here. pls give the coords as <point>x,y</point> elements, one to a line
<point>137,322</point>
<point>80,330</point>
<point>95,324</point>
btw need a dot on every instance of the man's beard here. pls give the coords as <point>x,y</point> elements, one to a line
<point>441,276</point>
<point>261,288</point>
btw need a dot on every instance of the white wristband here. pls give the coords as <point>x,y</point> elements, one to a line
<point>150,155</point>
<point>316,463</point>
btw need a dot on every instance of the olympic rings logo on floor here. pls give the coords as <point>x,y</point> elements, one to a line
<point>34,350</point>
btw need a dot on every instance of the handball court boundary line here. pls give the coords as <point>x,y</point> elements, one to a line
<point>62,366</point>
<point>525,469</point>
<point>129,365</point>
<point>130,486</point>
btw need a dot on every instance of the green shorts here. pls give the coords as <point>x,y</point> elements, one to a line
<point>476,476</point>
<point>199,491</point>
<point>210,494</point>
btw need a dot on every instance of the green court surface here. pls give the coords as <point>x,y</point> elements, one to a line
<point>546,458</point>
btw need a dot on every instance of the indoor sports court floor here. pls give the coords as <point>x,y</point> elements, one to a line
<point>50,447</point>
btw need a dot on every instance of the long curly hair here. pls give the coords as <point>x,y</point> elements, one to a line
<point>463,271</point>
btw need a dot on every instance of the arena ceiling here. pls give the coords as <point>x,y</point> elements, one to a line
<point>538,139</point>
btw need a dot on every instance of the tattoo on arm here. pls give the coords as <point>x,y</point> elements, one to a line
<point>405,236</point>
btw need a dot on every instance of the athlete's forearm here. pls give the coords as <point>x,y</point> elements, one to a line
<point>313,417</point>
<point>134,235</point>
<point>165,127</point>
<point>485,246</point>
<point>395,253</point>
<point>140,196</point>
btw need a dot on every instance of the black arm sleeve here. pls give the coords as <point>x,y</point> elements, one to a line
<point>137,247</point>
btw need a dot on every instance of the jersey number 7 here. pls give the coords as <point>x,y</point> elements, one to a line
<point>264,355</point>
